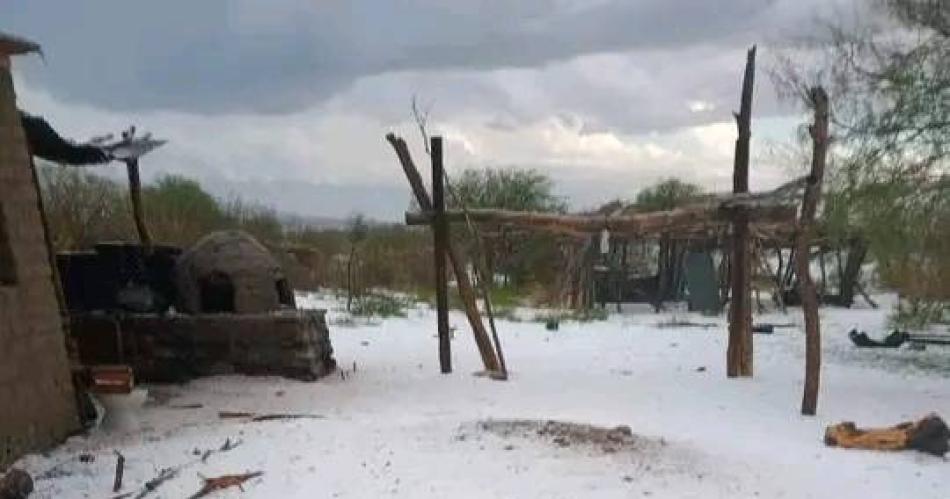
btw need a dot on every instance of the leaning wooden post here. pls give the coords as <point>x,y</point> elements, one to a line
<point>806,287</point>
<point>138,212</point>
<point>739,351</point>
<point>466,293</point>
<point>440,231</point>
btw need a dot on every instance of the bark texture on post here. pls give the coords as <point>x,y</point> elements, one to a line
<point>440,232</point>
<point>138,211</point>
<point>739,351</point>
<point>466,293</point>
<point>806,287</point>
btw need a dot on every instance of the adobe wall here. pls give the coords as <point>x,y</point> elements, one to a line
<point>37,406</point>
<point>175,348</point>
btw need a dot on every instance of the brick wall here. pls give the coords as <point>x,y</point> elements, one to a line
<point>37,407</point>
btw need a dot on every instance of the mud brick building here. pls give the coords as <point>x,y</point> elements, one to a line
<point>37,404</point>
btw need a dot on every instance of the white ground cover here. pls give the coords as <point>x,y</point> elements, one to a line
<point>392,425</point>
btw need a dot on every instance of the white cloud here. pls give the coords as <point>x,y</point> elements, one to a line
<point>699,106</point>
<point>605,113</point>
<point>330,146</point>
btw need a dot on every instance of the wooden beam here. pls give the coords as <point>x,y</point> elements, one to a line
<point>639,224</point>
<point>440,231</point>
<point>806,287</point>
<point>739,350</point>
<point>466,293</point>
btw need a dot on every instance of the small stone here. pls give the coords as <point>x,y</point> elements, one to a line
<point>16,484</point>
<point>627,478</point>
<point>701,369</point>
<point>509,447</point>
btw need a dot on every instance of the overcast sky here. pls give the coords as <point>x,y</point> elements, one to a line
<point>286,102</point>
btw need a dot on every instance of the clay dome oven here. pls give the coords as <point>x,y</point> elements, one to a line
<point>231,272</point>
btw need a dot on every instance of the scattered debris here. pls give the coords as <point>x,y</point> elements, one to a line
<point>562,434</point>
<point>256,418</point>
<point>234,415</point>
<point>119,470</point>
<point>163,476</point>
<point>281,417</point>
<point>86,457</point>
<point>862,340</point>
<point>929,435</point>
<point>186,406</point>
<point>57,471</point>
<point>224,482</point>
<point>897,338</point>
<point>228,445</point>
<point>674,322</point>
<point>16,484</point>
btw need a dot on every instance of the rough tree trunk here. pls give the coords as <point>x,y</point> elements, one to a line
<point>819,136</point>
<point>849,276</point>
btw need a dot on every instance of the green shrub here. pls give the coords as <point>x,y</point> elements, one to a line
<point>587,315</point>
<point>380,305</point>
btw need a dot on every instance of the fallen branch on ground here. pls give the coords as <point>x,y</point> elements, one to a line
<point>929,435</point>
<point>227,446</point>
<point>266,417</point>
<point>224,482</point>
<point>119,469</point>
<point>163,476</point>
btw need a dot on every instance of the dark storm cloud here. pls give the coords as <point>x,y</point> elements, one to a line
<point>277,56</point>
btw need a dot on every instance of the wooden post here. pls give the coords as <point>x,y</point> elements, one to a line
<point>466,293</point>
<point>806,287</point>
<point>440,231</point>
<point>739,351</point>
<point>138,212</point>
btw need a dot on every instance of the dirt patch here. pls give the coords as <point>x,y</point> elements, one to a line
<point>565,434</point>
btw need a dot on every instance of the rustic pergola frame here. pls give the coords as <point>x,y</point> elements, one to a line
<point>742,214</point>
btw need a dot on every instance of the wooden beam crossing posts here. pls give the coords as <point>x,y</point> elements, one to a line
<point>739,350</point>
<point>806,286</point>
<point>689,218</point>
<point>440,231</point>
